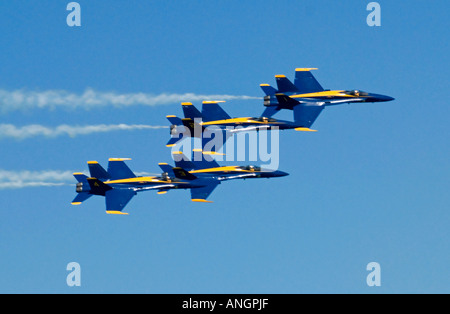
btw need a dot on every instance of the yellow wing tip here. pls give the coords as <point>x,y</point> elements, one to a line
<point>213,153</point>
<point>76,203</point>
<point>305,69</point>
<point>186,104</point>
<point>305,130</point>
<point>264,85</point>
<point>201,201</point>
<point>92,162</point>
<point>280,75</point>
<point>170,145</point>
<point>171,116</point>
<point>161,193</point>
<point>78,173</point>
<point>119,159</point>
<point>213,101</point>
<point>113,212</point>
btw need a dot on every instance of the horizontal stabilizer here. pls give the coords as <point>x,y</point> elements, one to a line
<point>180,173</point>
<point>116,200</point>
<point>81,198</point>
<point>173,141</point>
<point>118,170</point>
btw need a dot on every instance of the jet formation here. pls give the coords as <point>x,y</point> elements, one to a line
<point>119,184</point>
<point>305,97</point>
<point>200,174</point>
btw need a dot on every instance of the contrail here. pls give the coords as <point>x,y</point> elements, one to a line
<point>51,178</point>
<point>89,99</point>
<point>23,179</point>
<point>20,133</point>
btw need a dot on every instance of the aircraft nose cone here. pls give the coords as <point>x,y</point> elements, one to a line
<point>281,174</point>
<point>380,98</point>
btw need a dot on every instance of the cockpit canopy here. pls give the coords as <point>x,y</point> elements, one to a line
<point>264,119</point>
<point>356,93</point>
<point>250,168</point>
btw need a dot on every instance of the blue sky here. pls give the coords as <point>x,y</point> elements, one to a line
<point>370,186</point>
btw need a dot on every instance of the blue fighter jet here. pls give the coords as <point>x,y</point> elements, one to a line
<point>214,119</point>
<point>306,91</point>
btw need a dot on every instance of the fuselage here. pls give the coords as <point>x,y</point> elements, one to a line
<point>204,178</point>
<point>341,95</point>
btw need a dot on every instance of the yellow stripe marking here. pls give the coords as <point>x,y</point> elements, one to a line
<point>333,93</point>
<point>305,130</point>
<point>112,212</point>
<point>213,101</point>
<point>280,76</point>
<point>119,159</point>
<point>92,162</point>
<point>76,203</point>
<point>305,69</point>
<point>201,201</point>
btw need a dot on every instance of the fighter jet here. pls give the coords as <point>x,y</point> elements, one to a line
<point>214,119</point>
<point>119,184</point>
<point>307,91</point>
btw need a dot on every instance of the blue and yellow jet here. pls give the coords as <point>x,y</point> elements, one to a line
<point>216,119</point>
<point>119,184</point>
<point>307,91</point>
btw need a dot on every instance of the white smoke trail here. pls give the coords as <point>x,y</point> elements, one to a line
<point>23,179</point>
<point>52,99</point>
<point>11,131</point>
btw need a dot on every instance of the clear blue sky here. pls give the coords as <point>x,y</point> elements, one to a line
<point>370,186</point>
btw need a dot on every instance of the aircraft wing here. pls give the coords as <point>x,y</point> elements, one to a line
<point>116,200</point>
<point>201,194</point>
